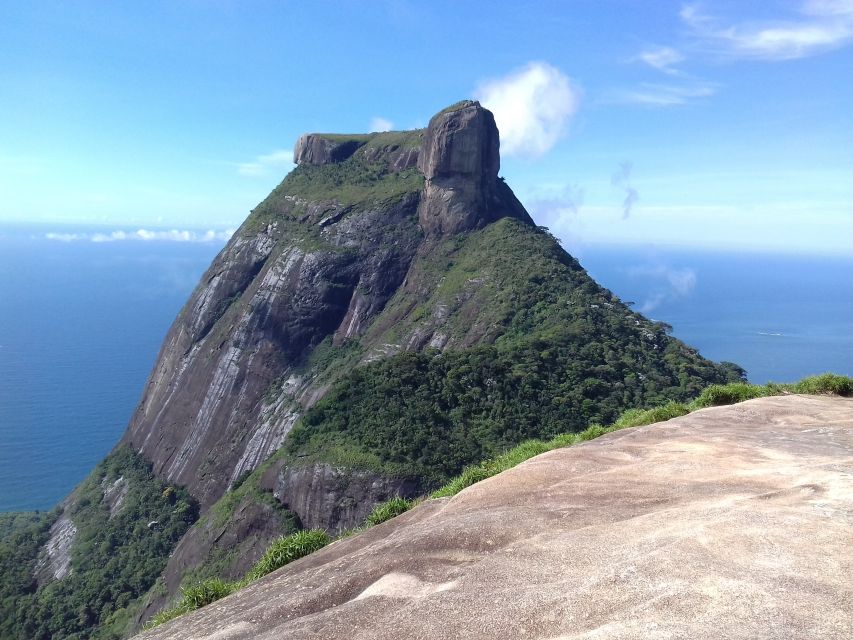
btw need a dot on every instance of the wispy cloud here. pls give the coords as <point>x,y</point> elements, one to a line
<point>380,124</point>
<point>821,25</point>
<point>622,180</point>
<point>274,162</point>
<point>661,58</point>
<point>144,235</point>
<point>532,107</point>
<point>663,95</point>
<point>669,283</point>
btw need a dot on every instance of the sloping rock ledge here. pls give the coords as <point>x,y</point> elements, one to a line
<point>732,522</point>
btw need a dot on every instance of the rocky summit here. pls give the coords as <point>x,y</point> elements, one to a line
<point>730,522</point>
<point>388,315</point>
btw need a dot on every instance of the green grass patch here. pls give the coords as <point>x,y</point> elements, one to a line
<point>722,394</point>
<point>640,417</point>
<point>825,383</point>
<point>287,549</point>
<point>388,509</point>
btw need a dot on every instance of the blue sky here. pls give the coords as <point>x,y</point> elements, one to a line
<point>709,124</point>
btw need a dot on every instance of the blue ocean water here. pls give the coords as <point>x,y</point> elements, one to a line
<point>81,323</point>
<point>781,317</point>
<point>80,326</point>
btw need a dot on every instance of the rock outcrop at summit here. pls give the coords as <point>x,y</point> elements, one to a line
<point>460,160</point>
<point>731,522</point>
<point>317,149</point>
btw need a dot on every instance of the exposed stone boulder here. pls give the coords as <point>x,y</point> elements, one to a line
<point>731,522</point>
<point>460,160</point>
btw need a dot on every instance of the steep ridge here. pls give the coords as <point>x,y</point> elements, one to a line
<point>387,315</point>
<point>729,522</point>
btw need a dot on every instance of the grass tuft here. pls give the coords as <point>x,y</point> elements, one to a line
<point>287,549</point>
<point>722,394</point>
<point>387,510</point>
<point>825,383</point>
<point>640,417</point>
<point>195,597</point>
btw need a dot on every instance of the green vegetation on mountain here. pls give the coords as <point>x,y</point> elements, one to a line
<point>365,179</point>
<point>127,522</point>
<point>560,353</point>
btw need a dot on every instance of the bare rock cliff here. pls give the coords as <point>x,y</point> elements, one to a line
<point>731,522</point>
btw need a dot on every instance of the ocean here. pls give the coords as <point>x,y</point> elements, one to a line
<point>83,315</point>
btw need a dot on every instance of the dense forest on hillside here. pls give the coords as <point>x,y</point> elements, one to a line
<point>127,522</point>
<point>561,353</point>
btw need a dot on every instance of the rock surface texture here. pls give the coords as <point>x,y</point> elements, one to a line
<point>460,160</point>
<point>732,522</point>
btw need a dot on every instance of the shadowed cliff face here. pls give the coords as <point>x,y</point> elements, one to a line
<point>309,265</point>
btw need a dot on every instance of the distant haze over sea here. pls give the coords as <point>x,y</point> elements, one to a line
<point>85,311</point>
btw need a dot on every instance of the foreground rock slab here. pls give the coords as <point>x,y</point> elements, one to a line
<point>732,522</point>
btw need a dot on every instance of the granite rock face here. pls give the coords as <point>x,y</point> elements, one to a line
<point>206,416</point>
<point>334,499</point>
<point>460,161</point>
<point>731,522</point>
<point>316,149</point>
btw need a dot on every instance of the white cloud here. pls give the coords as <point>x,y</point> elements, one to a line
<point>145,235</point>
<point>821,25</point>
<point>264,165</point>
<point>66,237</point>
<point>380,124</point>
<point>672,283</point>
<point>532,107</point>
<point>663,95</point>
<point>561,212</point>
<point>662,59</point>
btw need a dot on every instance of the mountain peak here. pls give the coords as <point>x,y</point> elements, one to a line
<point>458,154</point>
<point>460,160</point>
